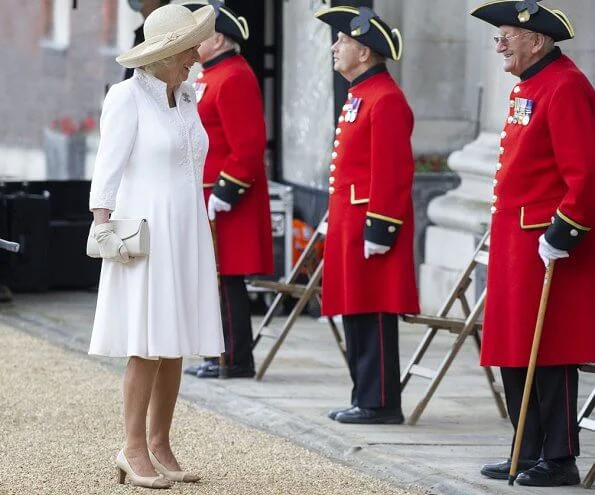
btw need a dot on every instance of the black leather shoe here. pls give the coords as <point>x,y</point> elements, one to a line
<point>193,370</point>
<point>212,371</point>
<point>333,414</point>
<point>551,473</point>
<point>501,470</point>
<point>362,416</point>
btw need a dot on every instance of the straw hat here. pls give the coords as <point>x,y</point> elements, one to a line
<point>170,30</point>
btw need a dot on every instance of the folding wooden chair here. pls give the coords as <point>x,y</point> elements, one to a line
<point>463,328</point>
<point>585,422</point>
<point>302,293</point>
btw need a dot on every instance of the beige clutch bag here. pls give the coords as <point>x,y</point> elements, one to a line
<point>133,232</point>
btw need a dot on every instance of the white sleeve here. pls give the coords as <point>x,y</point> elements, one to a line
<point>118,128</point>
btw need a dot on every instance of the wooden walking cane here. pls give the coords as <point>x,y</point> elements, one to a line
<point>222,363</point>
<point>520,429</point>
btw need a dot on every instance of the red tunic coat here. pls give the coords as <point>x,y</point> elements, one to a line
<point>371,175</point>
<point>230,107</point>
<point>546,166</point>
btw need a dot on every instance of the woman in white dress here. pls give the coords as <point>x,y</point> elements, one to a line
<point>157,309</point>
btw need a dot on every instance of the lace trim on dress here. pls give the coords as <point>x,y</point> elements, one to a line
<point>104,199</point>
<point>183,119</point>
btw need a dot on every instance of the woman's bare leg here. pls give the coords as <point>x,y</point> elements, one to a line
<point>161,411</point>
<point>139,379</point>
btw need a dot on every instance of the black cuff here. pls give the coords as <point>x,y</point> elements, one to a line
<point>564,233</point>
<point>381,231</point>
<point>229,189</point>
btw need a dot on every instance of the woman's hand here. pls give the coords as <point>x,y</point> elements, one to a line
<point>111,247</point>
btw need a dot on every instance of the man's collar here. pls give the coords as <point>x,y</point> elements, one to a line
<point>372,71</point>
<point>555,54</point>
<point>219,58</point>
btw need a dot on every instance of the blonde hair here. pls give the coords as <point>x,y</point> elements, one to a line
<point>160,65</point>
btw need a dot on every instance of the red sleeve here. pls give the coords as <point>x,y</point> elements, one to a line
<point>240,108</point>
<point>571,119</point>
<point>392,158</point>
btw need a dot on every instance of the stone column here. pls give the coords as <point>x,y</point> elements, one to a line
<point>462,215</point>
<point>433,75</point>
<point>308,124</point>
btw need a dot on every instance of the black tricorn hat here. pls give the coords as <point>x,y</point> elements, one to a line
<point>363,25</point>
<point>227,22</point>
<point>526,14</point>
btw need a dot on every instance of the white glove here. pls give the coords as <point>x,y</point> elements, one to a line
<point>549,252</point>
<point>111,246</point>
<point>371,248</point>
<point>215,205</point>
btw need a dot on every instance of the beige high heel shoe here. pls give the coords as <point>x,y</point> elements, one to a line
<point>180,476</point>
<point>144,481</point>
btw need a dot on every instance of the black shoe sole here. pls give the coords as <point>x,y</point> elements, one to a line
<point>370,421</point>
<point>494,475</point>
<point>576,481</point>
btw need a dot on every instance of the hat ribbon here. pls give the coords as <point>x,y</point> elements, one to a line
<point>162,40</point>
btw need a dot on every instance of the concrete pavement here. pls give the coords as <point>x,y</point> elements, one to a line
<point>459,431</point>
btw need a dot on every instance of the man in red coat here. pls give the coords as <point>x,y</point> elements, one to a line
<point>544,208</point>
<point>369,274</point>
<point>235,182</point>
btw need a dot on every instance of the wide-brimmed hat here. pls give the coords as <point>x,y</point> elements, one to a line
<point>227,21</point>
<point>170,30</point>
<point>527,15</point>
<point>364,25</point>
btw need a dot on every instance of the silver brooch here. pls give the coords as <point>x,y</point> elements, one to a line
<point>186,97</point>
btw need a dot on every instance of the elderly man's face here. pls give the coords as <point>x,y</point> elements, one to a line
<point>518,48</point>
<point>347,54</point>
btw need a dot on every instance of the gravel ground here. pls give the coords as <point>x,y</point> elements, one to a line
<point>61,427</point>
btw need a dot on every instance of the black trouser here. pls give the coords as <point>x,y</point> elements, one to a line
<point>551,429</point>
<point>235,316</point>
<point>372,342</point>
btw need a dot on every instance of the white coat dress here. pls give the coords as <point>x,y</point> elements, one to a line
<point>150,165</point>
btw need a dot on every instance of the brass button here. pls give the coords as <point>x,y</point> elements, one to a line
<point>501,150</point>
<point>392,228</point>
<point>553,219</point>
<point>517,89</point>
<point>331,180</point>
<point>495,181</point>
<point>334,155</point>
<point>350,95</point>
<point>341,118</point>
<point>241,191</point>
<point>331,190</point>
<point>221,182</point>
<point>368,222</point>
<point>503,134</point>
<point>494,198</point>
<point>337,131</point>
<point>574,233</point>
<point>493,209</point>
<point>333,167</point>
<point>336,143</point>
<point>499,166</point>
